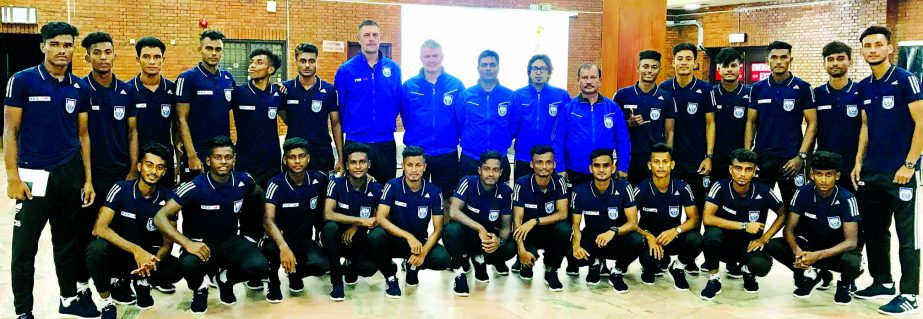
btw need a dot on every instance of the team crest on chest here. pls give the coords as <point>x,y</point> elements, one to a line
<point>739,112</point>
<point>150,225</point>
<point>887,102</point>
<point>553,110</point>
<point>316,106</point>
<point>314,202</point>
<point>165,110</point>
<point>607,121</point>
<point>613,213</point>
<point>706,181</point>
<point>852,110</point>
<point>386,71</point>
<point>788,104</point>
<point>906,194</point>
<point>421,211</point>
<point>447,99</point>
<point>674,211</point>
<point>365,212</point>
<point>271,113</point>
<point>238,204</point>
<point>70,105</point>
<point>118,112</point>
<point>754,216</point>
<point>799,180</point>
<point>501,109</point>
<point>834,222</point>
<point>691,108</point>
<point>227,94</point>
<point>655,114</point>
<point>494,214</point>
<point>549,207</point>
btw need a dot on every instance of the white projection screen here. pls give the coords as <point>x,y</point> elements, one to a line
<point>464,32</point>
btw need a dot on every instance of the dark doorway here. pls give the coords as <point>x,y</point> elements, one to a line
<point>754,66</point>
<point>353,49</point>
<point>17,52</point>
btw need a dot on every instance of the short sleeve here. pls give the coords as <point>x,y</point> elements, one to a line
<point>112,197</point>
<point>387,196</point>
<point>686,196</point>
<point>506,204</point>
<point>708,101</point>
<point>185,88</point>
<point>461,191</point>
<point>910,89</point>
<point>629,200</point>
<point>561,193</point>
<point>17,91</point>
<point>806,98</point>
<point>669,106</point>
<point>271,195</point>
<point>754,97</point>
<point>714,194</point>
<point>184,193</point>
<point>797,204</point>
<point>850,212</point>
<point>331,102</point>
<point>773,201</point>
<point>518,201</point>
<point>435,203</point>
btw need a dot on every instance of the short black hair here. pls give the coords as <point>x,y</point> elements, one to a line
<point>273,58</point>
<point>211,34</point>
<point>541,149</point>
<point>220,141</point>
<point>686,46</point>
<point>543,57</point>
<point>152,42</point>
<point>743,155</point>
<point>411,151</point>
<point>56,28</point>
<point>662,148</point>
<point>779,45</point>
<point>649,55</point>
<point>489,155</point>
<point>728,55</point>
<point>587,66</point>
<point>837,47</point>
<point>601,152</point>
<point>367,22</point>
<point>306,48</point>
<point>94,38</point>
<point>293,143</point>
<point>876,29</point>
<point>488,53</point>
<point>824,161</point>
<point>158,150</point>
<point>355,148</point>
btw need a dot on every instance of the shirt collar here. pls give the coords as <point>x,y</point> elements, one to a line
<point>609,191</point>
<point>751,191</point>
<point>846,88</point>
<point>349,186</point>
<point>42,73</point>
<point>886,77</point>
<point>212,183</point>
<point>93,84</point>
<point>691,84</point>
<point>291,183</point>
<point>791,78</point>
<point>136,192</point>
<point>721,90</point>
<point>655,190</point>
<point>640,92</point>
<point>534,184</point>
<point>406,188</point>
<point>481,189</point>
<point>832,198</point>
<point>257,91</point>
<point>136,81</point>
<point>206,73</point>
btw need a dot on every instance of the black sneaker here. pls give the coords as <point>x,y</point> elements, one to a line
<point>460,286</point>
<point>692,269</point>
<point>648,278</point>
<point>78,309</point>
<point>165,288</point>
<point>273,292</point>
<point>876,291</point>
<point>85,297</point>
<point>551,279</point>
<point>842,296</point>
<point>27,315</point>
<point>899,306</point>
<point>143,292</point>
<point>604,269</point>
<point>108,312</point>
<point>618,282</point>
<point>337,293</point>
<point>712,289</point>
<point>392,287</point>
<point>480,272</point>
<point>212,281</point>
<point>734,270</point>
<point>121,292</point>
<point>805,286</point>
<point>225,290</point>
<point>502,269</point>
<point>750,284</point>
<point>592,274</point>
<point>679,279</point>
<point>349,274</point>
<point>466,264</point>
<point>826,278</point>
<point>412,277</point>
<point>295,284</point>
<point>199,301</point>
<point>254,284</point>
<point>516,267</point>
<point>572,270</point>
<point>525,273</point>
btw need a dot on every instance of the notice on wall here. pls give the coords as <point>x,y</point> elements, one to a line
<point>334,46</point>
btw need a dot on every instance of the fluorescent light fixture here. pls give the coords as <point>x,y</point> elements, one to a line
<point>692,6</point>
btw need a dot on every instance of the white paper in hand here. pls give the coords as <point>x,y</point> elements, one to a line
<point>36,179</point>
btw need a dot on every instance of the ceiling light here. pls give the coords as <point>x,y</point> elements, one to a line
<point>692,6</point>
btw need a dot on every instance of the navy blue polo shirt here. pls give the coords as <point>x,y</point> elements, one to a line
<point>210,209</point>
<point>156,111</point>
<point>109,109</point>
<point>730,118</point>
<point>655,106</point>
<point>692,103</point>
<point>747,208</point>
<point>839,121</point>
<point>48,129</point>
<point>602,210</point>
<point>661,211</point>
<point>890,127</point>
<point>780,108</point>
<point>821,219</point>
<point>209,97</point>
<point>485,119</point>
<point>297,206</point>
<point>428,113</point>
<point>360,203</point>
<point>482,206</point>
<point>537,113</point>
<point>255,113</point>
<point>134,213</point>
<point>412,210</point>
<point>534,202</point>
<point>308,111</point>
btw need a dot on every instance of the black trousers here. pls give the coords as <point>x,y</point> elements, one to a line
<point>637,168</point>
<point>623,249</point>
<point>385,246</point>
<point>847,264</point>
<point>686,246</point>
<point>688,172</point>
<point>879,201</point>
<point>310,260</point>
<point>358,251</point>
<point>321,158</point>
<point>575,178</point>
<point>731,246</point>
<point>460,241</point>
<point>240,256</point>
<point>102,183</point>
<point>469,166</point>
<point>770,173</point>
<point>61,208</point>
<point>106,262</point>
<point>251,215</point>
<point>520,169</point>
<point>442,170</point>
<point>554,239</point>
<point>383,158</point>
<point>720,169</point>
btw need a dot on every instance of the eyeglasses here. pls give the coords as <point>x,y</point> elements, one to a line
<point>539,68</point>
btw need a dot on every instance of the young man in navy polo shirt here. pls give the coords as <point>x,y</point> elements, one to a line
<point>486,118</point>
<point>608,205</point>
<point>428,115</point>
<point>822,231</point>
<point>155,102</point>
<point>888,158</point>
<point>731,99</point>
<point>409,205</point>
<point>349,211</point>
<point>837,101</point>
<point>540,217</point>
<point>309,103</point>
<point>128,251</point>
<point>539,104</point>
<point>369,91</point>
<point>735,216</point>
<point>45,130</point>
<point>481,223</point>
<point>662,200</point>
<point>203,99</point>
<point>649,112</point>
<point>211,204</point>
<point>778,106</point>
<point>294,203</point>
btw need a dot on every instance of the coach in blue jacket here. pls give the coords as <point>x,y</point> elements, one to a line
<point>539,103</point>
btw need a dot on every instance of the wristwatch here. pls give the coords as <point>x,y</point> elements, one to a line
<point>743,226</point>
<point>910,165</point>
<point>538,221</point>
<point>615,230</point>
<point>803,155</point>
<point>709,156</point>
<point>679,230</point>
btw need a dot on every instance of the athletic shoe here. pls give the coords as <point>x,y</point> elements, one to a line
<point>805,286</point>
<point>460,287</point>
<point>121,292</point>
<point>199,301</point>
<point>516,267</point>
<point>466,263</point>
<point>572,270</point>
<point>225,289</point>
<point>337,293</point>
<point>679,279</point>
<point>502,269</point>
<point>108,312</point>
<point>692,269</point>
<point>143,292</point>
<point>876,291</point>
<point>604,269</point>
<point>480,272</point>
<point>592,274</point>
<point>295,284</point>
<point>734,270</point>
<point>648,277</point>
<point>750,284</point>
<point>77,309</point>
<point>273,292</point>
<point>392,287</point>
<point>899,306</point>
<point>412,279</point>
<point>826,278</point>
<point>27,315</point>
<point>842,297</point>
<point>712,289</point>
<point>350,276</point>
<point>165,288</point>
<point>618,282</point>
<point>525,273</point>
<point>254,284</point>
<point>85,297</point>
<point>551,279</point>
